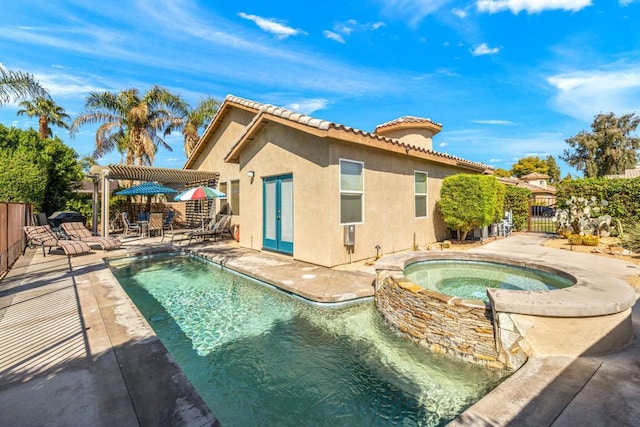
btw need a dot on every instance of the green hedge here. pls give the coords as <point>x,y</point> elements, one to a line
<point>468,201</point>
<point>516,200</point>
<point>623,195</point>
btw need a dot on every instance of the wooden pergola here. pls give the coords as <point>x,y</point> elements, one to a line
<point>101,175</point>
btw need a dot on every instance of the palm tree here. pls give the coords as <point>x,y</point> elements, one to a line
<point>131,123</point>
<point>49,113</point>
<point>196,119</point>
<point>18,84</point>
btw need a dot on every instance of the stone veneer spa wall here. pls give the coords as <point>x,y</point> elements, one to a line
<point>591,317</point>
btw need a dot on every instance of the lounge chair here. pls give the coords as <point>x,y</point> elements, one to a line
<point>218,230</point>
<point>183,233</point>
<point>42,235</point>
<point>77,231</point>
<point>128,226</point>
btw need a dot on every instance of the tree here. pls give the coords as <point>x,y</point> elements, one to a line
<point>502,173</point>
<point>18,84</point>
<point>131,123</point>
<point>469,201</point>
<point>48,113</point>
<point>553,170</point>
<point>44,172</point>
<point>527,165</point>
<point>608,149</point>
<point>195,119</point>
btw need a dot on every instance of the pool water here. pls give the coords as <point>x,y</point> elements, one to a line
<point>470,279</point>
<point>259,356</point>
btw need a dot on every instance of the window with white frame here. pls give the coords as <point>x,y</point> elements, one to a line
<point>351,192</point>
<point>420,193</point>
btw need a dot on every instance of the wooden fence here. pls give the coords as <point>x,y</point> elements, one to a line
<point>13,216</point>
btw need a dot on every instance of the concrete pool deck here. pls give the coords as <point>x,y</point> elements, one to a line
<point>74,350</point>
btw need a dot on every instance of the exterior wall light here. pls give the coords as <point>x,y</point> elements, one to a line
<point>251,174</point>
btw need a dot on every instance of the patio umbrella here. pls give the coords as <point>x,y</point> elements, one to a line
<point>201,192</point>
<point>145,189</point>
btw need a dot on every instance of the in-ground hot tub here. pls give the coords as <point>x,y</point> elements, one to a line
<point>591,317</point>
<point>471,278</point>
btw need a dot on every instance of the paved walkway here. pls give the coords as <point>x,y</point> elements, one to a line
<point>75,351</point>
<point>560,391</point>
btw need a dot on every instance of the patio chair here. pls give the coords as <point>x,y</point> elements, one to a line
<point>77,231</point>
<point>218,230</point>
<point>155,223</point>
<point>128,226</point>
<point>167,224</point>
<point>183,233</point>
<point>505,227</point>
<point>43,235</point>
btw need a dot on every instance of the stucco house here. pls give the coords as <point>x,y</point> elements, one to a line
<point>323,192</point>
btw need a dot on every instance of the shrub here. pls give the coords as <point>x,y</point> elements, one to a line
<point>516,200</point>
<point>631,239</point>
<point>622,195</point>
<point>470,201</point>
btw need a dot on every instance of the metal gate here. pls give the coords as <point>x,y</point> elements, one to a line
<point>541,212</point>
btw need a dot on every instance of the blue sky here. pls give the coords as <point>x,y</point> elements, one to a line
<point>506,78</point>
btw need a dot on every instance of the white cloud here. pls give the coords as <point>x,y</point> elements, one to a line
<point>493,122</point>
<point>460,13</point>
<point>346,28</point>
<point>414,10</point>
<point>625,2</point>
<point>583,94</point>
<point>443,144</point>
<point>333,36</point>
<point>308,106</point>
<point>273,26</point>
<point>484,49</point>
<point>531,6</point>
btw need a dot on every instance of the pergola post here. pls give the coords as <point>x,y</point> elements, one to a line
<point>104,174</point>
<point>94,205</point>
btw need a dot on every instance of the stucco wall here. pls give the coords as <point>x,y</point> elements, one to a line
<point>389,219</point>
<point>218,144</point>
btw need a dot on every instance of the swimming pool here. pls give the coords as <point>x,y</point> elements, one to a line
<point>258,356</point>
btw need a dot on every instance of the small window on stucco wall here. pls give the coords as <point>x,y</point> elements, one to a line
<point>235,197</point>
<point>351,192</point>
<point>420,194</point>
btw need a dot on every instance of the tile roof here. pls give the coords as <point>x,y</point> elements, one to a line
<point>407,119</point>
<point>628,173</point>
<point>534,175</point>
<point>524,184</point>
<point>325,125</point>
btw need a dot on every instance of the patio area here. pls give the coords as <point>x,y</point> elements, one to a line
<point>75,351</point>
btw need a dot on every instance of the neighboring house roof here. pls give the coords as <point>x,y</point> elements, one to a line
<point>266,113</point>
<point>524,184</point>
<point>534,175</point>
<point>628,173</point>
